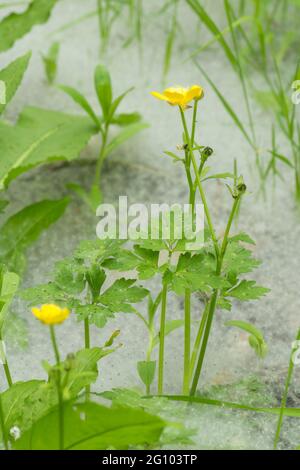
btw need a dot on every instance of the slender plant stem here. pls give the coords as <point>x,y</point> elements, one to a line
<point>198,181</point>
<point>187,342</point>
<point>59,390</point>
<point>101,157</point>
<point>162,339</point>
<point>2,425</point>
<point>7,373</point>
<point>286,391</point>
<point>198,340</point>
<point>213,301</point>
<point>87,345</point>
<point>6,368</point>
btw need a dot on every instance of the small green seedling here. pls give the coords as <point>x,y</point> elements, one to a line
<point>130,123</point>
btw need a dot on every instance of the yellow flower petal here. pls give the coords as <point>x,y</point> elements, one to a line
<point>160,96</point>
<point>51,314</point>
<point>180,96</point>
<point>195,92</point>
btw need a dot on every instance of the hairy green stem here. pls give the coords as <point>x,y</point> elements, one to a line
<point>59,390</point>
<point>187,342</point>
<point>162,339</point>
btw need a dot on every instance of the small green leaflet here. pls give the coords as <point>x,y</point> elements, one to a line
<point>238,259</point>
<point>196,273</point>
<point>16,25</point>
<point>12,76</point>
<point>122,294</point>
<point>97,251</point>
<point>247,290</point>
<point>242,237</point>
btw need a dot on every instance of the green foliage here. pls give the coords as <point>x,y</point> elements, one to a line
<point>130,122</point>
<point>16,25</point>
<point>12,76</point>
<point>24,227</point>
<point>73,275</point>
<point>196,273</point>
<point>89,426</point>
<point>247,290</point>
<point>39,137</point>
<point>50,62</point>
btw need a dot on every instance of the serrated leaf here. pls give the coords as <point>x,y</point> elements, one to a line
<point>91,426</point>
<point>49,293</point>
<point>97,251</point>
<point>242,237</point>
<point>16,25</point>
<point>41,136</point>
<point>12,76</point>
<point>69,275</point>
<point>24,227</point>
<point>196,273</point>
<point>238,259</point>
<point>96,314</point>
<point>247,290</point>
<point>121,294</point>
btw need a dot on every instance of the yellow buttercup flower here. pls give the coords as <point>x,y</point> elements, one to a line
<point>51,314</point>
<point>179,96</point>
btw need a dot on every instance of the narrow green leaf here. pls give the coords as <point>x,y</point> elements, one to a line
<point>82,101</point>
<point>103,89</point>
<point>210,24</point>
<point>227,106</point>
<point>12,76</point>
<point>125,134</point>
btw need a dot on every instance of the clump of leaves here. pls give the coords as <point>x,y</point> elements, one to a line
<point>82,284</point>
<point>130,123</point>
